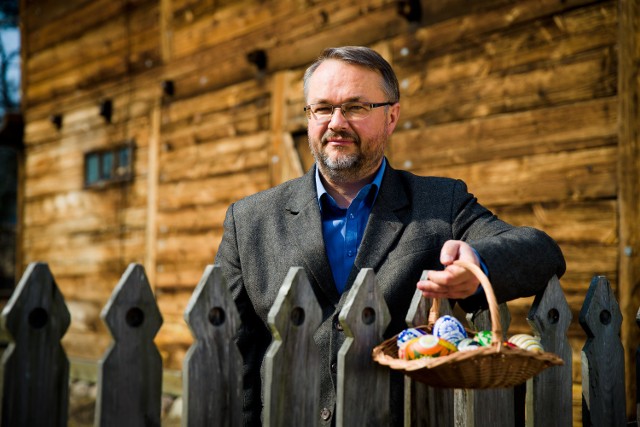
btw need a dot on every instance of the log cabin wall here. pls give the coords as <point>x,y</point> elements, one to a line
<point>517,97</point>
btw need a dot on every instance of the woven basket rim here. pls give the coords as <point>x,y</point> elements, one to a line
<point>493,356</point>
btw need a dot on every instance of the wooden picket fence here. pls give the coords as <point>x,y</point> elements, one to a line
<point>35,369</point>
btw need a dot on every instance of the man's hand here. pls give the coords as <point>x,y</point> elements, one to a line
<point>454,281</point>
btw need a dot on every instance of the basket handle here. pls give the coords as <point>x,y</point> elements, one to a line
<point>496,327</point>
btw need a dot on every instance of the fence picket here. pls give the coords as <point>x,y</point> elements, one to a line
<point>292,362</point>
<point>212,368</point>
<point>424,405</point>
<point>495,407</point>
<point>603,395</point>
<point>35,368</point>
<point>130,372</point>
<point>549,394</point>
<point>364,317</point>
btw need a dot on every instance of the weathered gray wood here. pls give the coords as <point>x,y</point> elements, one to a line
<point>549,394</point>
<point>603,390</point>
<point>35,368</point>
<point>130,372</point>
<point>292,362</point>
<point>424,405</point>
<point>212,368</point>
<point>494,407</point>
<point>363,385</point>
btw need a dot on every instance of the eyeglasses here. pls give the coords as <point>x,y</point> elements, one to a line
<point>350,110</point>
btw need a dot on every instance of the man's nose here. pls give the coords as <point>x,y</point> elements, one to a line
<point>338,120</point>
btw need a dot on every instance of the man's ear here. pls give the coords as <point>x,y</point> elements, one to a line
<point>393,117</point>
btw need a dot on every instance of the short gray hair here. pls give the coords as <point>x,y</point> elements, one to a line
<point>364,57</point>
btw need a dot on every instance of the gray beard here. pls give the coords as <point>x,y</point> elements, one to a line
<point>344,169</point>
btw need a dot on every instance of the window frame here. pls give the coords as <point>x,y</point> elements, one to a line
<point>116,173</point>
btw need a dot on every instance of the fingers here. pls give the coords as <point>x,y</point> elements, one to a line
<point>456,249</point>
<point>452,282</point>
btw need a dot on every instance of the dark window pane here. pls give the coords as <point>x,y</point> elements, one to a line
<point>92,169</point>
<point>123,157</point>
<point>107,165</point>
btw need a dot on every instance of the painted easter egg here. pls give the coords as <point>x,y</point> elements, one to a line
<point>449,328</point>
<point>484,338</point>
<point>467,344</point>
<point>428,346</point>
<point>526,342</point>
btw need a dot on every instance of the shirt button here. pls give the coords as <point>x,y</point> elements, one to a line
<point>350,253</point>
<point>334,367</point>
<point>351,216</point>
<point>337,325</point>
<point>325,414</point>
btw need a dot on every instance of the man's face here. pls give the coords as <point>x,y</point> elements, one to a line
<point>347,151</point>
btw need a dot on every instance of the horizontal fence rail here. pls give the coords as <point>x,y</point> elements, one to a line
<point>35,368</point>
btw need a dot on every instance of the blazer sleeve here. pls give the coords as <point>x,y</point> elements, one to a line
<point>520,260</point>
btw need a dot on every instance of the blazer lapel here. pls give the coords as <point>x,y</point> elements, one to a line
<point>384,226</point>
<point>305,231</point>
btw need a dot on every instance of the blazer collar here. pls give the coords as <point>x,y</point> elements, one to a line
<point>383,228</point>
<point>305,230</point>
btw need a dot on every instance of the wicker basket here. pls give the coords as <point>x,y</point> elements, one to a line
<point>494,366</point>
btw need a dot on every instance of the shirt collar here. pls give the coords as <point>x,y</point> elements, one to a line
<point>377,181</point>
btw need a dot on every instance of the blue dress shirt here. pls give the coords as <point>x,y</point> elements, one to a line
<point>343,229</point>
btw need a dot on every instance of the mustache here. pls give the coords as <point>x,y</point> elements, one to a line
<point>341,135</point>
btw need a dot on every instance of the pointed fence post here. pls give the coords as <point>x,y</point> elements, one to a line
<point>292,362</point>
<point>35,368</point>
<point>494,407</point>
<point>424,405</point>
<point>212,373</point>
<point>549,394</point>
<point>130,373</point>
<point>363,385</point>
<point>603,392</point>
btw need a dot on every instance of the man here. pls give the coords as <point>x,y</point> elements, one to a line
<point>353,210</point>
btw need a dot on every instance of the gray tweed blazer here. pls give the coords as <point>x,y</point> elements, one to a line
<point>267,233</point>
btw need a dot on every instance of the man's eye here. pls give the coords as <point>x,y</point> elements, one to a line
<point>323,110</point>
<point>357,108</point>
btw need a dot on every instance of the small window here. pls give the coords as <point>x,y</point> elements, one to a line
<point>102,167</point>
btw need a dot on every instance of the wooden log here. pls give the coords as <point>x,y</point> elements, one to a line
<point>589,221</point>
<point>225,188</point>
<point>225,66</point>
<point>35,368</point>
<point>576,126</point>
<point>544,86</point>
<point>576,175</point>
<point>364,318</point>
<point>55,22</point>
<point>130,372</point>
<point>291,399</point>
<point>212,372</point>
<point>628,178</point>
<point>561,35</point>
<point>467,26</point>
<point>131,46</point>
<point>603,395</point>
<point>223,156</point>
<point>548,399</point>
